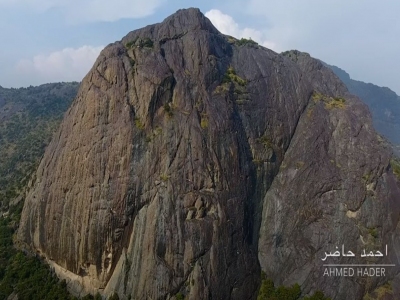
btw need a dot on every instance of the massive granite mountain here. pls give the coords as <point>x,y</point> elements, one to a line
<point>383,103</point>
<point>190,161</point>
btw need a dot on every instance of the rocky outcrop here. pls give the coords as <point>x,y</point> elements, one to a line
<point>336,185</point>
<point>383,103</point>
<point>189,159</point>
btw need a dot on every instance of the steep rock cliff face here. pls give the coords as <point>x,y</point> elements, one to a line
<point>336,185</point>
<point>185,153</point>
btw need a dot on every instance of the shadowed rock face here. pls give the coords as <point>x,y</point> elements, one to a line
<point>188,160</point>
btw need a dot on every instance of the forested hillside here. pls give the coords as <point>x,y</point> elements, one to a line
<point>28,118</point>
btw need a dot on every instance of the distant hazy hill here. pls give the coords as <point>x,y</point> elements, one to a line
<point>382,101</point>
<point>28,117</point>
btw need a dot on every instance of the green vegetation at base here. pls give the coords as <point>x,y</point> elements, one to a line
<point>6,249</point>
<point>268,291</point>
<point>26,276</point>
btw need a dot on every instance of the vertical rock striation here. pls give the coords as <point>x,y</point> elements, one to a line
<point>337,186</point>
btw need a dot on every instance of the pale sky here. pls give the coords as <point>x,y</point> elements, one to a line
<point>58,40</point>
